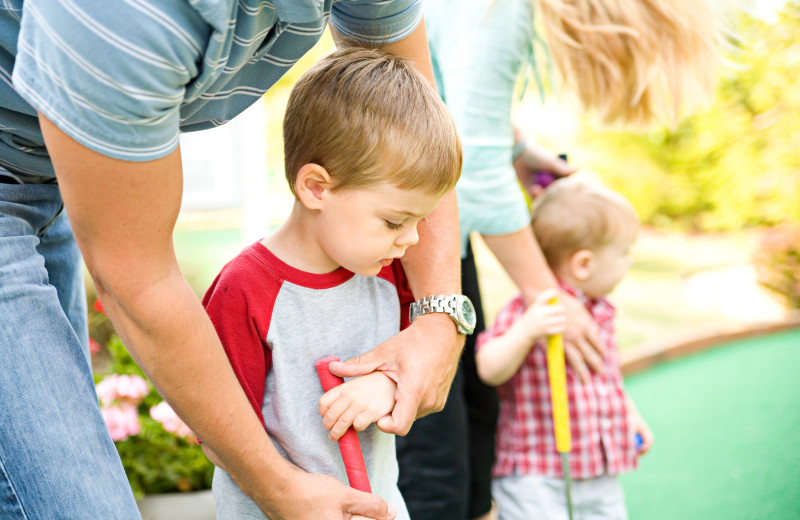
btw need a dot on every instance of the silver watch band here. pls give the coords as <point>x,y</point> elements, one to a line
<point>436,303</point>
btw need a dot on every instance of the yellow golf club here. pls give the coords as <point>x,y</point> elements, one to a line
<point>558,398</point>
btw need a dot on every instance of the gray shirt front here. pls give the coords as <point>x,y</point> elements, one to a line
<point>299,318</point>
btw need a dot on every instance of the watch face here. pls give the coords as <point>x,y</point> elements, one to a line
<point>468,312</point>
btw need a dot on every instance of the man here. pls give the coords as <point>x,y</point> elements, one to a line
<point>89,122</point>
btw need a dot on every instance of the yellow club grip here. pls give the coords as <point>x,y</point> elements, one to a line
<point>558,390</point>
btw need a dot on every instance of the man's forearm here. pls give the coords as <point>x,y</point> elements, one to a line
<point>433,265</point>
<point>123,214</point>
<point>173,341</point>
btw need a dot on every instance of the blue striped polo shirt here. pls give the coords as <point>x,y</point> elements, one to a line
<point>124,77</point>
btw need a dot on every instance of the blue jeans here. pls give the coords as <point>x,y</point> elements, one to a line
<point>57,459</point>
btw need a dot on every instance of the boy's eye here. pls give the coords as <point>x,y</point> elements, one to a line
<point>393,226</point>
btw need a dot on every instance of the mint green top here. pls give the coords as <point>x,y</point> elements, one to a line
<point>479,49</point>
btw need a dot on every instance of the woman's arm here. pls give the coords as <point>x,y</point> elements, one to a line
<point>522,259</point>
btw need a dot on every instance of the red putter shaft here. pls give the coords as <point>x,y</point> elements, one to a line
<point>349,446</point>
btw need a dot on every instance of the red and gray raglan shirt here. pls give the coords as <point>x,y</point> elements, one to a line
<point>275,321</point>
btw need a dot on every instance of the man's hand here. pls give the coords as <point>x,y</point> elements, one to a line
<point>310,496</point>
<point>422,360</point>
<point>583,349</point>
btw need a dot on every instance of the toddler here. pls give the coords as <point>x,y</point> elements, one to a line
<point>585,231</point>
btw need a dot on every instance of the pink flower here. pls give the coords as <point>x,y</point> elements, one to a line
<point>122,388</point>
<point>163,413</point>
<point>94,347</point>
<point>98,306</point>
<point>122,421</point>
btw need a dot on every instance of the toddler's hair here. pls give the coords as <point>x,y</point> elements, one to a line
<point>369,117</point>
<point>575,213</point>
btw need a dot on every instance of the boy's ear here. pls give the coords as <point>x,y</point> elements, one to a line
<point>311,183</point>
<point>581,264</point>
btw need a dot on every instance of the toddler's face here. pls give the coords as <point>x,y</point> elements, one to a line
<point>364,230</point>
<point>611,264</point>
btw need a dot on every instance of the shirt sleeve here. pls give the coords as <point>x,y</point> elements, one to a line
<point>478,52</point>
<point>376,22</point>
<point>112,75</point>
<point>505,319</point>
<point>241,321</point>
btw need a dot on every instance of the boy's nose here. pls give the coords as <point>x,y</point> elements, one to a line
<point>409,238</point>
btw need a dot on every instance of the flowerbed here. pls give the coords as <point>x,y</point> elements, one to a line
<point>157,448</point>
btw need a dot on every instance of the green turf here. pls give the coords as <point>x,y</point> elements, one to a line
<point>727,429</point>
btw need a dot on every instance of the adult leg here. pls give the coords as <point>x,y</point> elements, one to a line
<point>446,459</point>
<point>481,401</point>
<point>56,457</point>
<point>434,466</point>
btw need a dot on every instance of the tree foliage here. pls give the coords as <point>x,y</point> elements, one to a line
<point>736,163</point>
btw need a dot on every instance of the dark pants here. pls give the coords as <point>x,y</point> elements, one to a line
<point>446,459</point>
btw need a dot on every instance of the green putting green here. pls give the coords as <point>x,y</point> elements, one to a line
<point>727,433</point>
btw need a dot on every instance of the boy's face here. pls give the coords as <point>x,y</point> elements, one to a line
<point>611,264</point>
<point>364,230</point>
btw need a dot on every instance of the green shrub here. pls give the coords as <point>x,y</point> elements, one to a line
<point>778,263</point>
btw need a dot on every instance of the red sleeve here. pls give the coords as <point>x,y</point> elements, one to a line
<point>397,275</point>
<point>239,303</point>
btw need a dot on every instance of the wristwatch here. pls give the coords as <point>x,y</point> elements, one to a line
<point>458,306</point>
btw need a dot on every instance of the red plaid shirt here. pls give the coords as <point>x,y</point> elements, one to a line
<point>602,441</point>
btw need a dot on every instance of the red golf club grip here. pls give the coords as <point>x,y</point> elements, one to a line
<point>349,445</point>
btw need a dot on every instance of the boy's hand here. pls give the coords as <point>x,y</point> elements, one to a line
<point>544,319</point>
<point>639,425</point>
<point>358,402</point>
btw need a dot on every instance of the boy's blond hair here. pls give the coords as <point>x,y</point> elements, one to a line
<point>369,117</point>
<point>574,214</point>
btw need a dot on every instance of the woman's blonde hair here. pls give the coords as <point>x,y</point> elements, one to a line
<point>369,117</point>
<point>635,60</point>
<point>576,213</point>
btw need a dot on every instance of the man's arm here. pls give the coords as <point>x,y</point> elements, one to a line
<point>123,214</point>
<point>423,358</point>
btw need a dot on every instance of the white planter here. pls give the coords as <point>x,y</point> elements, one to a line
<point>196,505</point>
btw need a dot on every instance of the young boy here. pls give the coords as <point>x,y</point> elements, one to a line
<point>585,232</point>
<point>370,150</point>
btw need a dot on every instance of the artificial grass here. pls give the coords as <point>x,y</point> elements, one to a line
<point>727,434</point>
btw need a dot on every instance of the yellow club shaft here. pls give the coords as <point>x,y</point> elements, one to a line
<point>558,390</point>
<point>557,374</point>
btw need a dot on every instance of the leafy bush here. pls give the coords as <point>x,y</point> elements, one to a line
<point>730,166</point>
<point>778,263</point>
<point>157,449</point>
